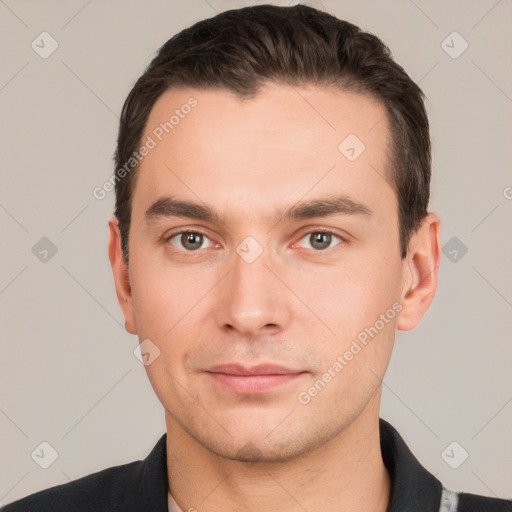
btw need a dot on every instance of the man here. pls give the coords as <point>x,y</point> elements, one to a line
<point>271,234</point>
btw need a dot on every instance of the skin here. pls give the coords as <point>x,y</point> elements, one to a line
<point>295,305</point>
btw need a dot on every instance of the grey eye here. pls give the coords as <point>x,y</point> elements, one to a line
<point>319,240</point>
<point>189,240</point>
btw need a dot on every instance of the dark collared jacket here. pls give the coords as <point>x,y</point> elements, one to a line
<point>142,486</point>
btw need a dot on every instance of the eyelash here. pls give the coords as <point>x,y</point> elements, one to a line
<point>187,231</point>
<point>326,232</point>
<point>343,241</point>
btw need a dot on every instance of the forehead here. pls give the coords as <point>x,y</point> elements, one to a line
<point>277,114</point>
<point>280,145</point>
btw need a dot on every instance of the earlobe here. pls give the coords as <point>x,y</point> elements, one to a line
<point>121,276</point>
<point>421,267</point>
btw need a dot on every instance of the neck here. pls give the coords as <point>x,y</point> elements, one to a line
<point>345,474</point>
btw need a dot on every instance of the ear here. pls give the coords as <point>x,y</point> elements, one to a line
<point>121,276</point>
<point>420,272</point>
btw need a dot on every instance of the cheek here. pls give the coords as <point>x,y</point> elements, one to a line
<point>361,306</point>
<point>158,300</point>
<point>171,310</point>
<point>347,298</point>
<point>161,302</point>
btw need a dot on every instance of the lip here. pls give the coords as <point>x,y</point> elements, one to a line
<point>252,380</point>
<point>260,369</point>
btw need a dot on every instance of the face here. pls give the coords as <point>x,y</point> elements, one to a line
<point>257,240</point>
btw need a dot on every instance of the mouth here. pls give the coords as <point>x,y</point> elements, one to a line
<point>253,380</point>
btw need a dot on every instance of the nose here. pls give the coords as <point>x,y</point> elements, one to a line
<point>251,300</point>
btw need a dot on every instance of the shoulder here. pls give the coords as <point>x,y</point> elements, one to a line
<point>474,503</point>
<point>415,488</point>
<point>134,487</point>
<point>98,491</point>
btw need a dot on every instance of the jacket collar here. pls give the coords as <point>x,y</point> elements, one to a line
<point>412,486</point>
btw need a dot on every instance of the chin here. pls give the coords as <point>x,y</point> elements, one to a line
<point>277,445</point>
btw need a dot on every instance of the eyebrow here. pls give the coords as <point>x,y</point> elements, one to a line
<point>324,207</point>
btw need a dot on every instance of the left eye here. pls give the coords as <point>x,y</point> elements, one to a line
<point>319,240</point>
<point>189,240</point>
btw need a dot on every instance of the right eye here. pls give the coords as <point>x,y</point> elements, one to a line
<point>189,241</point>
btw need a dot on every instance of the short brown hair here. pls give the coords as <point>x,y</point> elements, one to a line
<point>241,49</point>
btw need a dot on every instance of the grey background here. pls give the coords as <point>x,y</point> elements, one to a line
<point>69,376</point>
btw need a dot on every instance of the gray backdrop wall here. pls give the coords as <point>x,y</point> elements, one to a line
<point>69,377</point>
